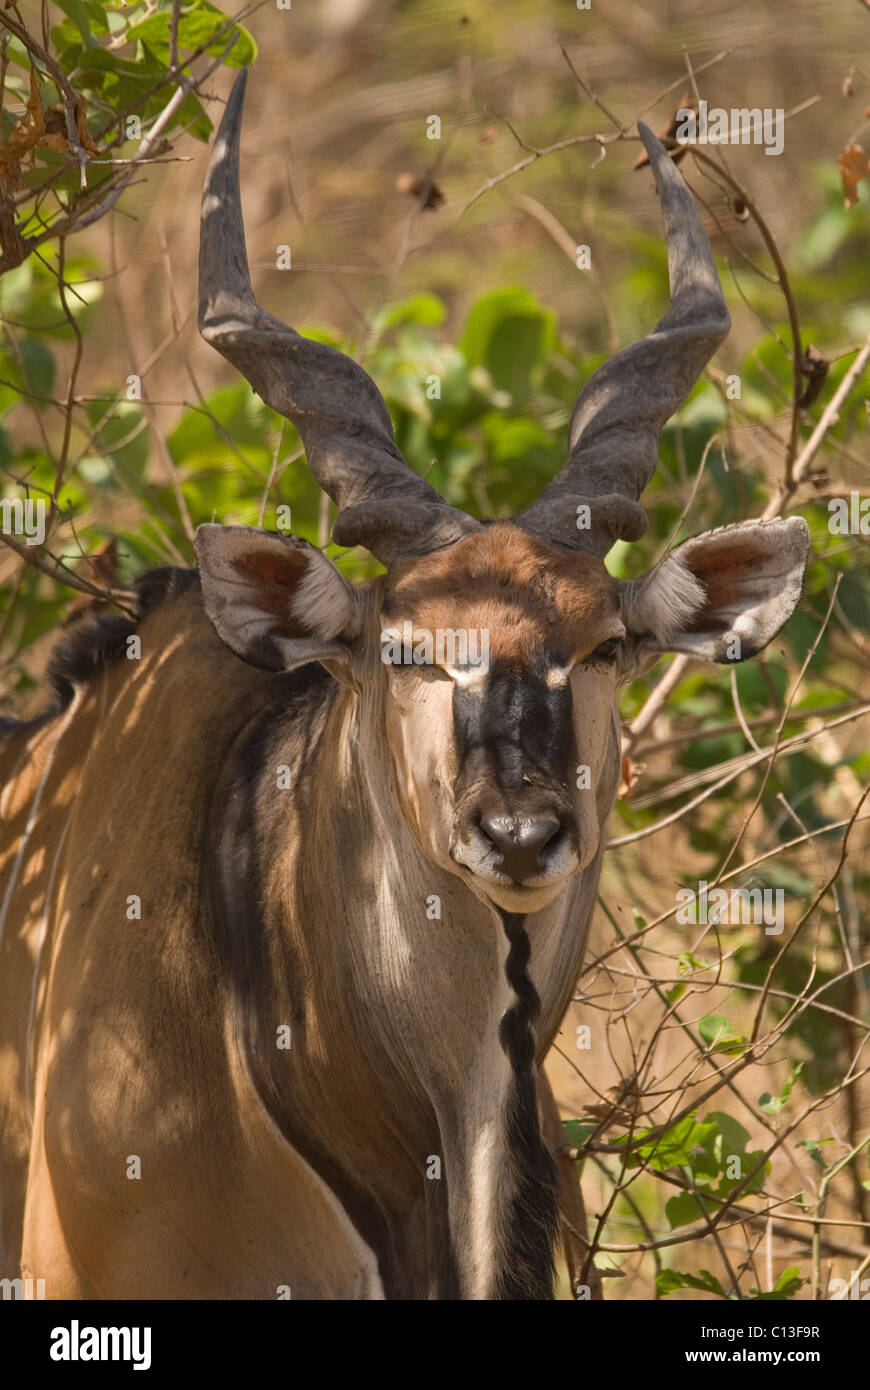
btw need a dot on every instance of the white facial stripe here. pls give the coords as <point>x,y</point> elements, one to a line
<point>556,676</point>
<point>471,678</point>
<point>559,675</point>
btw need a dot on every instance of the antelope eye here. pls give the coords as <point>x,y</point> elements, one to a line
<point>606,651</point>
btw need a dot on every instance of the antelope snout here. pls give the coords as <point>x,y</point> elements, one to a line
<point>517,843</point>
<point>524,843</point>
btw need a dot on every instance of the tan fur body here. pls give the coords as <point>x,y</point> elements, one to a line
<point>139,1044</point>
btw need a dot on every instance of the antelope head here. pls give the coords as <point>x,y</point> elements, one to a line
<point>505,766</point>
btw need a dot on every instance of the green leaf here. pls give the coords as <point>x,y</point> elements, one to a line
<point>671,1279</point>
<point>617,559</point>
<point>814,1149</point>
<point>578,1131</point>
<point>754,686</point>
<point>425,309</point>
<point>78,13</point>
<point>153,29</point>
<point>787,1285</point>
<point>672,1149</point>
<point>121,436</point>
<point>688,963</point>
<point>509,334</point>
<point>772,1105</point>
<point>683,1209</point>
<point>779,875</point>
<point>511,438</point>
<point>196,29</point>
<point>819,243</point>
<point>95,470</point>
<point>34,373</point>
<point>734,1136</point>
<point>104,60</point>
<point>715,1029</point>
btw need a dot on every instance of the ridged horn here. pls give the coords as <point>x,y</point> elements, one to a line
<point>338,410</point>
<point>619,414</point>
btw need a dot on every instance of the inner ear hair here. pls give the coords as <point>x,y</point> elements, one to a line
<point>314,601</point>
<point>275,600</point>
<point>663,602</point>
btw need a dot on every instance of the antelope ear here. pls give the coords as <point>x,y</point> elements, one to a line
<point>276,601</point>
<point>722,595</point>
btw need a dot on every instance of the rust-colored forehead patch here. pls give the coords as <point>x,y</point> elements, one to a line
<point>532,599</point>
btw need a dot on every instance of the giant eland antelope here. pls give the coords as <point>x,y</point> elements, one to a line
<point>284,805</point>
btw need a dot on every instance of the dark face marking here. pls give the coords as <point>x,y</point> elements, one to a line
<point>514,743</point>
<point>516,730</point>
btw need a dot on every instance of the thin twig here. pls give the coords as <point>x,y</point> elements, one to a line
<point>829,417</point>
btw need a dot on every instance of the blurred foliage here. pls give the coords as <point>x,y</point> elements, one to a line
<point>91,98</point>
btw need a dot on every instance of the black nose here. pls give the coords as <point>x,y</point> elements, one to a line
<point>520,840</point>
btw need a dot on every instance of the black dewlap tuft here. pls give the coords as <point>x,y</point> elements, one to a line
<point>528,1218</point>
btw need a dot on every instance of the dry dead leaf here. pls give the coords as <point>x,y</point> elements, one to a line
<point>40,129</point>
<point>101,569</point>
<point>104,564</point>
<point>85,139</point>
<point>670,132</point>
<point>854,166</point>
<point>23,137</point>
<point>629,774</point>
<point>623,1102</point>
<point>814,366</point>
<point>55,124</point>
<point>410,183</point>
